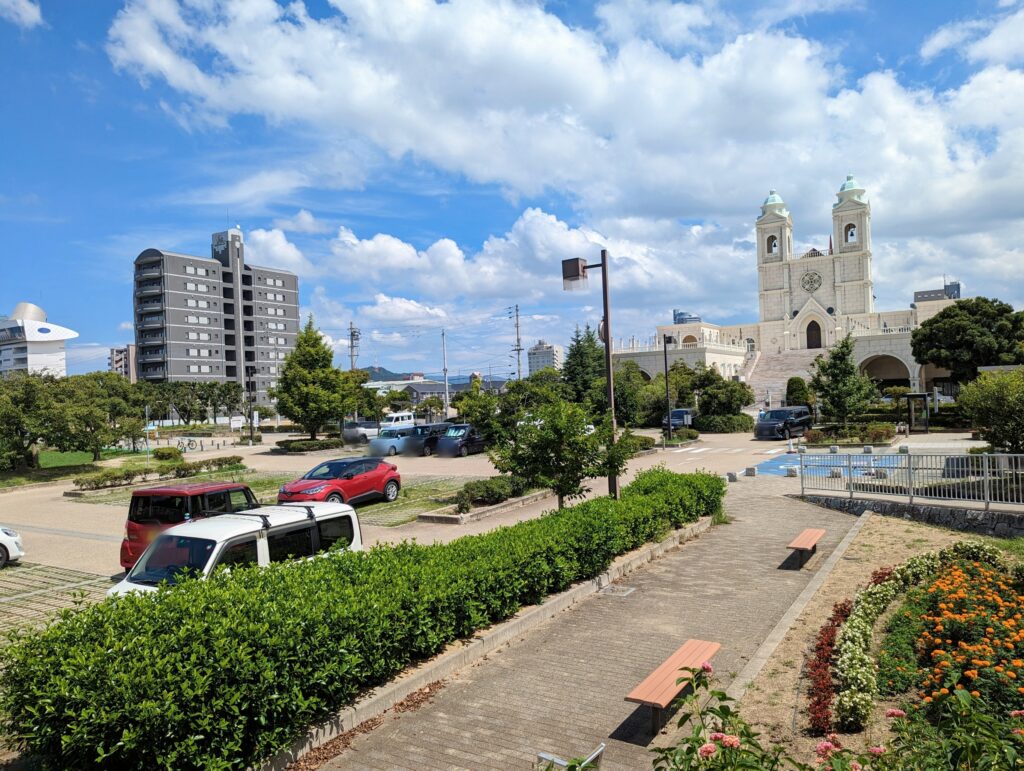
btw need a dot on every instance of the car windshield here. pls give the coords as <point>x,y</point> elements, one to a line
<point>679,413</point>
<point>421,431</point>
<point>172,558</point>
<point>456,431</point>
<point>330,470</point>
<point>388,433</point>
<point>777,415</point>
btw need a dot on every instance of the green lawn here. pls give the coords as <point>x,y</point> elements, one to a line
<point>55,459</point>
<point>56,465</point>
<point>416,498</point>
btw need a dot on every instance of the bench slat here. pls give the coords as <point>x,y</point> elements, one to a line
<point>808,539</point>
<point>659,688</point>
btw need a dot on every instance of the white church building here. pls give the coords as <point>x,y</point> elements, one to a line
<point>807,302</point>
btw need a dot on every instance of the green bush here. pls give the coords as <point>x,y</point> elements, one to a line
<point>243,440</point>
<point>639,443</point>
<point>221,673</point>
<point>877,433</point>
<point>116,477</point>
<point>310,445</point>
<point>487,492</point>
<point>724,424</point>
<point>797,392</point>
<point>166,453</point>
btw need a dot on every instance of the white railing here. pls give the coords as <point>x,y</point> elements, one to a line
<point>965,479</point>
<point>882,331</point>
<point>706,345</point>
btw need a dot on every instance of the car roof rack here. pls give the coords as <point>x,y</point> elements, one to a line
<point>250,513</point>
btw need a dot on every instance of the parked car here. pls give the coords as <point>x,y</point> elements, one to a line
<point>783,423</point>
<point>157,508</point>
<point>396,419</point>
<point>681,418</point>
<point>460,439</point>
<point>272,534</point>
<point>390,441</point>
<point>346,480</point>
<point>424,439</point>
<point>360,431</point>
<point>11,548</point>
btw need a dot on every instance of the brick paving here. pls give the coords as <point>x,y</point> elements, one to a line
<point>560,688</point>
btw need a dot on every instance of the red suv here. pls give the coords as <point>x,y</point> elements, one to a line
<point>350,480</point>
<point>158,508</point>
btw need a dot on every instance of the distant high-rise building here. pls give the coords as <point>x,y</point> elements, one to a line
<point>949,291</point>
<point>214,318</point>
<point>123,362</point>
<point>544,355</point>
<point>29,343</point>
<point>682,317</point>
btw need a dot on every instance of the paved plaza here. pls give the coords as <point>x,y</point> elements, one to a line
<point>560,688</point>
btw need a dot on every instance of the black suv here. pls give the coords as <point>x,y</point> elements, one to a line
<point>423,439</point>
<point>783,423</point>
<point>460,439</point>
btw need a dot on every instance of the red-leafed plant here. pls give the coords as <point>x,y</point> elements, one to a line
<point>819,670</point>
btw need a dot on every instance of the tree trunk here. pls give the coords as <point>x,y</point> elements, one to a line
<point>97,454</point>
<point>561,502</point>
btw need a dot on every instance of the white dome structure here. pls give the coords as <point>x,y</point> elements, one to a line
<point>28,343</point>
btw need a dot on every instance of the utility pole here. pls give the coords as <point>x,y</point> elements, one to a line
<point>518,347</point>
<point>444,358</point>
<point>353,345</point>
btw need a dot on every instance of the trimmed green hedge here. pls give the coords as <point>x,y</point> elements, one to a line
<point>166,453</point>
<point>222,673</point>
<point>310,445</point>
<point>639,442</point>
<point>116,477</point>
<point>487,492</point>
<point>724,424</point>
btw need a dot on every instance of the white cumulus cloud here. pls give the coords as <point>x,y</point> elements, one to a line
<point>23,13</point>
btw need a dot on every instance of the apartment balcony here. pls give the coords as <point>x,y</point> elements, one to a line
<point>152,269</point>
<point>152,304</point>
<point>151,323</point>
<point>151,338</point>
<point>144,358</point>
<point>149,289</point>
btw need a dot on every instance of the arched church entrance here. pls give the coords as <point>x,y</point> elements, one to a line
<point>886,371</point>
<point>814,335</point>
<point>689,339</point>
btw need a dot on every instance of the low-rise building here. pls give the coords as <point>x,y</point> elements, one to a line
<point>30,343</point>
<point>123,362</point>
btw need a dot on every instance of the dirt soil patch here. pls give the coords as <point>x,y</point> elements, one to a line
<point>776,702</point>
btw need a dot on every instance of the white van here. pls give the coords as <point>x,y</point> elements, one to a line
<point>398,420</point>
<point>256,537</point>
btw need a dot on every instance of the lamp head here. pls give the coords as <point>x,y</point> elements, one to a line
<point>574,274</point>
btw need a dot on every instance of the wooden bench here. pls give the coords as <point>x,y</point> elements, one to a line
<point>806,543</point>
<point>660,688</point>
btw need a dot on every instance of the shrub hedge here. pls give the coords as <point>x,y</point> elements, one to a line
<point>166,453</point>
<point>310,445</point>
<point>487,492</point>
<point>221,673</point>
<point>639,442</point>
<point>724,424</point>
<point>115,477</point>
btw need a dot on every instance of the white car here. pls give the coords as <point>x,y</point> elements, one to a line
<point>11,549</point>
<point>256,537</point>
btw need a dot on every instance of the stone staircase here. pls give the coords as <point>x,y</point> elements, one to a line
<point>772,370</point>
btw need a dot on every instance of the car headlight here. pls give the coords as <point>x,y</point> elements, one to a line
<point>9,533</point>
<point>281,489</point>
<point>317,489</point>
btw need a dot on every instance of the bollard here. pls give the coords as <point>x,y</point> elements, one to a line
<point>834,449</point>
<point>868,449</point>
<point>835,473</point>
<point>905,449</point>
<point>801,449</point>
<point>201,447</point>
<point>751,471</point>
<point>789,446</point>
<point>881,473</point>
<point>731,476</point>
<point>792,472</point>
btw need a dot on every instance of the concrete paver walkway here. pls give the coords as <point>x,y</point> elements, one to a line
<point>561,687</point>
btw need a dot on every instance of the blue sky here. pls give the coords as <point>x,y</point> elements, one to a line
<point>425,166</point>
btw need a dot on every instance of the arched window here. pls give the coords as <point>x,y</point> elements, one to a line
<point>750,345</point>
<point>773,245</point>
<point>851,233</point>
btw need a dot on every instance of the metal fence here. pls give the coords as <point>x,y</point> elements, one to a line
<point>978,479</point>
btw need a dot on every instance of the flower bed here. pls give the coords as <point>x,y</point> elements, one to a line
<point>819,670</point>
<point>855,670</point>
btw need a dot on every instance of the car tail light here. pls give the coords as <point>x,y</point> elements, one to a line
<point>393,467</point>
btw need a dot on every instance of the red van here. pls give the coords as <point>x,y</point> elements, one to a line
<point>158,508</point>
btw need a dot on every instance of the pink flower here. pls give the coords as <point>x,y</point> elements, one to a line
<point>834,738</point>
<point>731,740</point>
<point>708,669</point>
<point>707,750</point>
<point>897,713</point>
<point>1018,731</point>
<point>1017,713</point>
<point>824,749</point>
<point>877,750</point>
<point>855,766</point>
<point>717,736</point>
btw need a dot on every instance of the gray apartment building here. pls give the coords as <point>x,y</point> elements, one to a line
<point>214,318</point>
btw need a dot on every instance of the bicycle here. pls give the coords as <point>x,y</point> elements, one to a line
<point>187,444</point>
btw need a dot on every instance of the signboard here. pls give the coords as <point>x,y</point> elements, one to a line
<point>237,422</point>
<point>255,419</point>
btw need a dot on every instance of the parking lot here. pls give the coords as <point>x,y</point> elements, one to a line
<point>31,593</point>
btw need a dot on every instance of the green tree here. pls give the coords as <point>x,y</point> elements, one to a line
<point>83,415</point>
<point>971,333</point>
<point>719,396</point>
<point>25,412</point>
<point>584,363</point>
<point>309,390</point>
<point>522,397</point>
<point>430,407</point>
<point>555,451</point>
<point>227,398</point>
<point>797,392</point>
<point>398,401</point>
<point>188,400</point>
<point>632,398</point>
<point>838,385</point>
<point>479,408</point>
<point>994,403</point>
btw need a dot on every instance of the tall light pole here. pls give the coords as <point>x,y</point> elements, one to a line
<point>668,398</point>
<point>574,275</point>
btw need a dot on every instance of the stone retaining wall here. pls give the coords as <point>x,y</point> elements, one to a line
<point>1004,524</point>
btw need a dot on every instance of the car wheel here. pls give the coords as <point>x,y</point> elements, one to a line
<point>4,556</point>
<point>463,451</point>
<point>391,491</point>
<point>392,451</point>
<point>787,434</point>
<point>335,498</point>
<point>426,451</point>
<point>363,439</point>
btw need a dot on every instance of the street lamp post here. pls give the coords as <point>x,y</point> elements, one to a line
<point>668,398</point>
<point>574,275</point>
